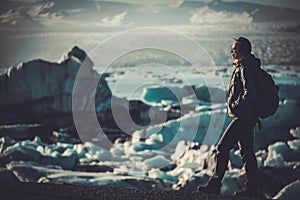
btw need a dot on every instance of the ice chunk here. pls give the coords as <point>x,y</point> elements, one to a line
<point>31,171</point>
<point>204,93</point>
<point>122,169</point>
<point>158,161</point>
<point>235,159</point>
<point>290,191</point>
<point>68,152</point>
<point>68,161</point>
<point>92,148</point>
<point>275,154</point>
<point>154,138</point>
<point>203,127</point>
<point>232,181</point>
<point>4,143</point>
<point>295,132</point>
<point>294,145</point>
<point>188,173</point>
<point>282,152</point>
<point>25,148</point>
<point>117,151</point>
<point>80,150</point>
<point>189,101</point>
<point>153,142</point>
<point>179,151</point>
<point>157,174</point>
<point>261,156</point>
<point>284,115</point>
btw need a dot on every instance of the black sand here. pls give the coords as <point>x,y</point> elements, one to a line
<point>35,191</point>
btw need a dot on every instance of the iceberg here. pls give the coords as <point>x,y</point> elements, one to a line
<point>56,97</point>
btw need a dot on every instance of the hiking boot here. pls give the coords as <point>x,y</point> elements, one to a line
<point>212,187</point>
<point>249,189</point>
<point>245,193</point>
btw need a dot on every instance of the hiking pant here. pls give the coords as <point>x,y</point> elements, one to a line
<point>238,131</point>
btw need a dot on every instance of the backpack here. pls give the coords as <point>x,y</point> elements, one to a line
<point>267,98</point>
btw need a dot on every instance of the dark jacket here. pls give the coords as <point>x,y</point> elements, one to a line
<point>240,102</point>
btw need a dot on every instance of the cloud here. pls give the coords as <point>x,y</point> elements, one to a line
<point>27,1</point>
<point>116,20</point>
<point>159,6</point>
<point>207,16</point>
<point>71,11</point>
<point>175,4</point>
<point>17,18</point>
<point>37,9</point>
<point>45,10</point>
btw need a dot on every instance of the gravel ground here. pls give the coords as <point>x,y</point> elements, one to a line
<point>35,191</point>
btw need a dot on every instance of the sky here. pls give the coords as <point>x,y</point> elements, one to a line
<point>281,3</point>
<point>95,14</point>
<point>98,16</point>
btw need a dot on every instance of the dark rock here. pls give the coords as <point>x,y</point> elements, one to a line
<point>28,132</point>
<point>168,168</point>
<point>94,168</point>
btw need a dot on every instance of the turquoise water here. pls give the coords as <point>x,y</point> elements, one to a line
<point>132,89</point>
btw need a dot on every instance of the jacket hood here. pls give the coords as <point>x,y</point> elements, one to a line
<point>251,61</point>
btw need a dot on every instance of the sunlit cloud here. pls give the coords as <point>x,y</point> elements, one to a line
<point>206,15</point>
<point>116,20</point>
<point>72,11</point>
<point>160,7</point>
<point>44,10</point>
<point>37,9</point>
